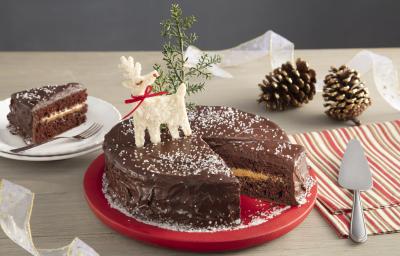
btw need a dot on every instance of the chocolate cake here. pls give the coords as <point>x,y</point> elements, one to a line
<point>41,113</point>
<point>196,181</point>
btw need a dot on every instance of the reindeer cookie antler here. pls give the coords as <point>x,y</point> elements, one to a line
<point>132,72</point>
<point>151,112</point>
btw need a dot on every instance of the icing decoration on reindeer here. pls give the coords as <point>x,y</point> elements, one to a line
<point>153,109</point>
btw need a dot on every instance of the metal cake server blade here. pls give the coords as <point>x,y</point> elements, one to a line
<point>355,175</point>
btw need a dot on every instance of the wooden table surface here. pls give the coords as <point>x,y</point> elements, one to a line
<point>60,212</point>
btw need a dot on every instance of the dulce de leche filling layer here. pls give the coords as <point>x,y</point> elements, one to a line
<point>239,172</point>
<point>58,114</point>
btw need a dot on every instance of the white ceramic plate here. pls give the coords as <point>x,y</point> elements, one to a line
<point>99,111</point>
<point>49,157</point>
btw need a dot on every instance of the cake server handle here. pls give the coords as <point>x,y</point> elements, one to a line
<point>17,150</point>
<point>358,232</point>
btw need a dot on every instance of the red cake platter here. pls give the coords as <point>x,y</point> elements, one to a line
<point>227,240</point>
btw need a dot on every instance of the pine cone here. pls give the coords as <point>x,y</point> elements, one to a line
<point>345,95</point>
<point>288,86</point>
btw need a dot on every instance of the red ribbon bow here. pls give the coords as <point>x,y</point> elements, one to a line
<point>141,98</point>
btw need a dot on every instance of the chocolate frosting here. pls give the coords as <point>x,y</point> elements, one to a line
<point>217,121</point>
<point>32,97</point>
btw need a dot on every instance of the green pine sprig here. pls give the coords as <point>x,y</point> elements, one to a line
<point>177,38</point>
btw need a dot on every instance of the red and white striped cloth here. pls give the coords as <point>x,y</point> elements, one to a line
<point>381,143</point>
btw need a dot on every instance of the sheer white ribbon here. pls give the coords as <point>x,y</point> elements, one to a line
<point>384,74</point>
<point>16,204</point>
<point>279,49</point>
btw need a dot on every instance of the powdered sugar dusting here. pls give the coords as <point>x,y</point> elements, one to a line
<point>180,157</point>
<point>38,97</point>
<point>195,163</point>
<point>308,185</point>
<point>227,121</point>
<point>36,94</point>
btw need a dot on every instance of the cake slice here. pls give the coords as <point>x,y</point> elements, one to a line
<point>266,169</point>
<point>42,113</point>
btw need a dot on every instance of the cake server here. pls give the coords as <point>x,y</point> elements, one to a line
<point>355,175</point>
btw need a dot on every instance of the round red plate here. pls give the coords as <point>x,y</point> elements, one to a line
<point>195,241</point>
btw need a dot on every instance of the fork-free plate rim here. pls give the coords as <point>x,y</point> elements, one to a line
<point>38,158</point>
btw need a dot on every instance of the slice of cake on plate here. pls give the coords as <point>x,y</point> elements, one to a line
<point>41,113</point>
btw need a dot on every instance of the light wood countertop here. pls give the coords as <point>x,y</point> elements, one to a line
<point>60,212</point>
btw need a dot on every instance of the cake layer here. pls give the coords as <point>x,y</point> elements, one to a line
<point>50,128</point>
<point>247,173</point>
<point>62,113</point>
<point>267,190</point>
